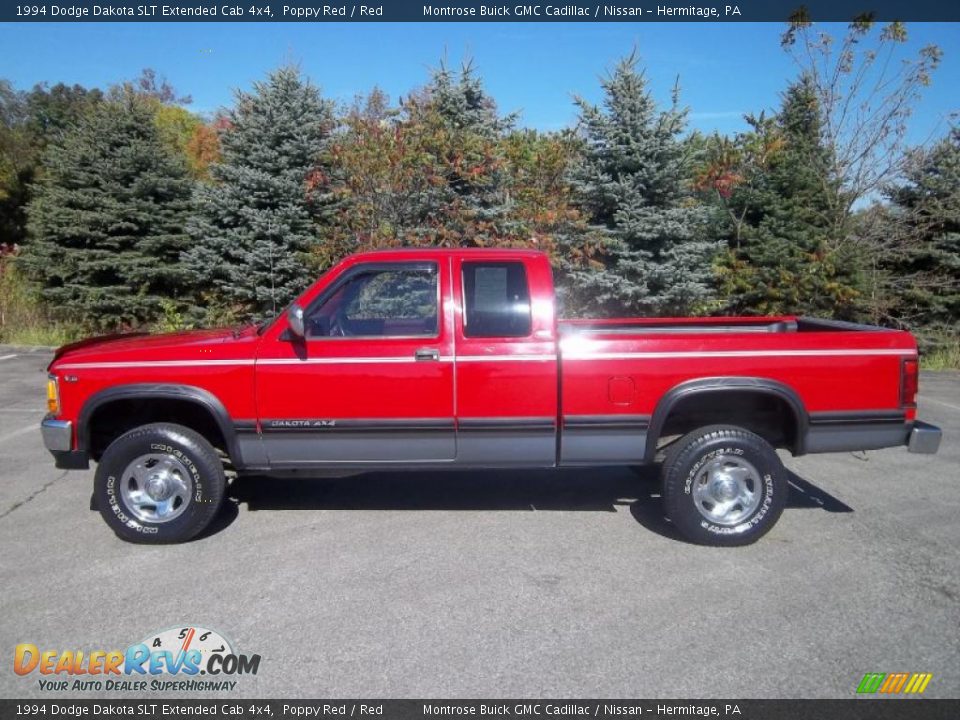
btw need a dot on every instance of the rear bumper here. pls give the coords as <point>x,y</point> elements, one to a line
<point>924,438</point>
<point>843,432</point>
<point>58,439</point>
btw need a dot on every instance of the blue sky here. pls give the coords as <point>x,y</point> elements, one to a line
<point>725,69</point>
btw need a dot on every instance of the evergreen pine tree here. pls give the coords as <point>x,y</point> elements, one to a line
<point>255,222</point>
<point>106,224</point>
<point>631,184</point>
<point>789,256</point>
<point>462,102</point>
<point>462,131</point>
<point>926,216</point>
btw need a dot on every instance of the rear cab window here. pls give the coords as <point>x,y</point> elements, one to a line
<point>496,300</point>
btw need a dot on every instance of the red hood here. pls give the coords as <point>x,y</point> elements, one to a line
<point>146,346</point>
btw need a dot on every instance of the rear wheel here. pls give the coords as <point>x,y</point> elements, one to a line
<point>159,483</point>
<point>723,485</point>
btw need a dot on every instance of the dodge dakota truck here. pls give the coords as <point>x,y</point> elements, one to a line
<point>435,358</point>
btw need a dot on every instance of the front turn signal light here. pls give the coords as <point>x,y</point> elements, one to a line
<point>53,396</point>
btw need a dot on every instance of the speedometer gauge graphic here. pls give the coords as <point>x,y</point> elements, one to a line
<point>179,640</point>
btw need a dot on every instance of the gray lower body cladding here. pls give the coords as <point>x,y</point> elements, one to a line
<point>508,442</point>
<point>844,432</point>
<point>481,442</point>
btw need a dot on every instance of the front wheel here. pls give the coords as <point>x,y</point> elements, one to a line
<point>723,485</point>
<point>159,483</point>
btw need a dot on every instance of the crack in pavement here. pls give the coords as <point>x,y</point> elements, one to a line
<point>32,495</point>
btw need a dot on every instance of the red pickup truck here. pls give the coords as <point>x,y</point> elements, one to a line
<point>434,358</point>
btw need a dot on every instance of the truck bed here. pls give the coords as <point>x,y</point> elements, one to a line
<point>842,379</point>
<point>707,325</point>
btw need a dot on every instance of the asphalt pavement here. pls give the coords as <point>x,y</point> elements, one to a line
<point>501,584</point>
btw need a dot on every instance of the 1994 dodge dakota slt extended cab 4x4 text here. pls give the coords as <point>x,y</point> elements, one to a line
<point>419,359</point>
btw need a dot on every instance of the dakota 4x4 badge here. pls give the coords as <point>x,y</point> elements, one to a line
<point>151,664</point>
<point>298,424</point>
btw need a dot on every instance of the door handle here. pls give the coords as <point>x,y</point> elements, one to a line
<point>427,355</point>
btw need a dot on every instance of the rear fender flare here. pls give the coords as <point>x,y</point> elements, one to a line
<point>702,386</point>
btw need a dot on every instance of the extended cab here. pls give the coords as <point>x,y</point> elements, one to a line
<point>421,359</point>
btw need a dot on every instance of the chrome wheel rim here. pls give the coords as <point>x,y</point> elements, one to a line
<point>156,488</point>
<point>727,490</point>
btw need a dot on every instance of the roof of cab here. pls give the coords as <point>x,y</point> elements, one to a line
<point>447,252</point>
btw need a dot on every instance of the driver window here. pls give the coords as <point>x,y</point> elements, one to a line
<point>383,301</point>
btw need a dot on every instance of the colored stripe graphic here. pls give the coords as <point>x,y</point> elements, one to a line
<point>919,682</point>
<point>894,683</point>
<point>871,682</point>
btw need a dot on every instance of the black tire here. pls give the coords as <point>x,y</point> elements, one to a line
<point>719,454</point>
<point>198,495</point>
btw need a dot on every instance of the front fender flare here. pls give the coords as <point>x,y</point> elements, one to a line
<point>172,391</point>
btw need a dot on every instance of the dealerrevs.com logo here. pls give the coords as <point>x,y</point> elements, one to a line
<point>187,658</point>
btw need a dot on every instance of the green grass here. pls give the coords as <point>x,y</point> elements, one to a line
<point>50,334</point>
<point>23,319</point>
<point>946,357</point>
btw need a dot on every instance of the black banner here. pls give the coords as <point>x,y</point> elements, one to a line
<point>854,709</point>
<point>478,11</point>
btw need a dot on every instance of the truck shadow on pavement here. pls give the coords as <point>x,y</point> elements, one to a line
<point>585,490</point>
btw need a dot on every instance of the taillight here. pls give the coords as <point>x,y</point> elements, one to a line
<point>909,383</point>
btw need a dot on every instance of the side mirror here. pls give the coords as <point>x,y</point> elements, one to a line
<point>295,320</point>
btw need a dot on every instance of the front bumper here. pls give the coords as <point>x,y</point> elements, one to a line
<point>58,439</point>
<point>924,438</point>
<point>57,434</point>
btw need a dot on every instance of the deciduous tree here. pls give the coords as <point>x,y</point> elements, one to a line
<point>28,122</point>
<point>866,84</point>
<point>443,169</point>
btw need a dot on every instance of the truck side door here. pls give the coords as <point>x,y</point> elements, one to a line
<point>372,380</point>
<point>506,362</point>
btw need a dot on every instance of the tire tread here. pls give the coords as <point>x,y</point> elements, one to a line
<point>202,452</point>
<point>685,517</point>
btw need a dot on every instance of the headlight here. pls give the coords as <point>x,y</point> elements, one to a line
<point>53,395</point>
